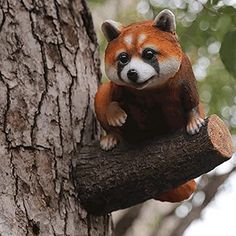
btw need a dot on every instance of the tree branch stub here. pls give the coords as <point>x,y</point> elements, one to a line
<point>128,175</point>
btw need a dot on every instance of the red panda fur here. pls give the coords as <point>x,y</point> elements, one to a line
<point>152,112</point>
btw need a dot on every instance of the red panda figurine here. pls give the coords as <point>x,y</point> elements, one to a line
<point>152,91</point>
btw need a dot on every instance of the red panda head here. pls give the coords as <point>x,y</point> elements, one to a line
<point>142,55</point>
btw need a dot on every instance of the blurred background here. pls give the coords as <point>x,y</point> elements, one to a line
<point>207,33</point>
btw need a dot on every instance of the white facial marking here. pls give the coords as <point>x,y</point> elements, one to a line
<point>168,68</point>
<point>141,38</point>
<point>144,70</point>
<point>112,75</point>
<point>128,39</point>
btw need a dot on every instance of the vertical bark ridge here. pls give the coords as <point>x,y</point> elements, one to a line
<point>49,71</point>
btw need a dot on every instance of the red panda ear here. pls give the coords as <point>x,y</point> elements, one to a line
<point>111,29</point>
<point>165,21</point>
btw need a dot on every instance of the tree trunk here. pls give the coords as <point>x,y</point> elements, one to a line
<point>48,77</point>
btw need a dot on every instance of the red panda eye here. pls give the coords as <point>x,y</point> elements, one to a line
<point>148,54</point>
<point>123,58</point>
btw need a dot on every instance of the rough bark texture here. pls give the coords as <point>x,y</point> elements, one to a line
<point>127,176</point>
<point>48,78</point>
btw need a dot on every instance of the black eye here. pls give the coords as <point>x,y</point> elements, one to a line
<point>148,53</point>
<point>123,58</point>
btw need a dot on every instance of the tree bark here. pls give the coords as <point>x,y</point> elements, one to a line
<point>126,176</point>
<point>48,77</point>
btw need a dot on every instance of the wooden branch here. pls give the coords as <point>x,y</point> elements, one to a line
<point>125,176</point>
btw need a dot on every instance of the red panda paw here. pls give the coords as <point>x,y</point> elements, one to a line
<point>116,116</point>
<point>108,142</point>
<point>194,125</point>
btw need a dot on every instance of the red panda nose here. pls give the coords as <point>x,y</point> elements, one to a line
<point>132,75</point>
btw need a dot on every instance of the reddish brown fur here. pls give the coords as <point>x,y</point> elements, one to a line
<point>156,112</point>
<point>153,112</point>
<point>167,42</point>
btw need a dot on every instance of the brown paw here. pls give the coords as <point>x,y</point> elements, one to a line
<point>194,125</point>
<point>115,115</point>
<point>108,142</point>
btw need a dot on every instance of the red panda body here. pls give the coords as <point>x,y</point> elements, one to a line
<point>147,113</point>
<point>152,90</point>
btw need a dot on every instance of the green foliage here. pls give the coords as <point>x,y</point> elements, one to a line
<point>228,52</point>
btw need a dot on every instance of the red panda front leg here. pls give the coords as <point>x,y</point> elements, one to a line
<point>116,117</point>
<point>190,99</point>
<point>195,121</point>
<point>110,116</point>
